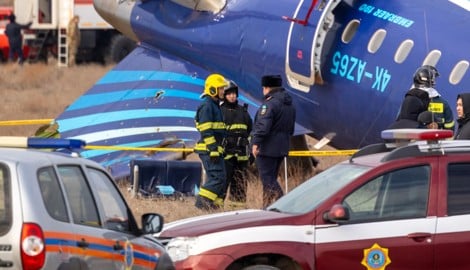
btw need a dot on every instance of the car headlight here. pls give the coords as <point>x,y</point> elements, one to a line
<point>179,248</point>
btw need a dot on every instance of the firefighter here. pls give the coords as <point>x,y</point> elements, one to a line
<point>210,124</point>
<point>415,102</point>
<point>238,123</point>
<point>272,129</point>
<point>73,39</point>
<point>425,78</point>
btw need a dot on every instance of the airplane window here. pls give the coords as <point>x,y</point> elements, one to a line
<point>376,41</point>
<point>203,5</point>
<point>350,31</point>
<point>403,51</point>
<point>432,58</point>
<point>458,72</point>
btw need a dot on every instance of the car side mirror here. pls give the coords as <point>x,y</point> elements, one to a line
<point>337,214</point>
<point>152,223</point>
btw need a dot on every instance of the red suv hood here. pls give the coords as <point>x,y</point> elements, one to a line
<point>200,225</point>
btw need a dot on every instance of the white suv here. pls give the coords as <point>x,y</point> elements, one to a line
<point>59,211</point>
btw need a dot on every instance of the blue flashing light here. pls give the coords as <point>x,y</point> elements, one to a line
<point>416,134</point>
<point>54,143</point>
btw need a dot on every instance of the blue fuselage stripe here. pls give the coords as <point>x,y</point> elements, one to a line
<point>122,76</point>
<point>91,100</point>
<point>101,118</point>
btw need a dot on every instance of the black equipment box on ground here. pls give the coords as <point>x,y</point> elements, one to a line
<point>183,176</point>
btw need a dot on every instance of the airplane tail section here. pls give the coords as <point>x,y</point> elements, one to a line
<point>148,100</point>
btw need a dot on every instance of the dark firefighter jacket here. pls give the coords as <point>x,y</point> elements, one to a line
<point>442,113</point>
<point>415,102</point>
<point>13,32</point>
<point>239,124</point>
<point>274,124</point>
<point>210,124</point>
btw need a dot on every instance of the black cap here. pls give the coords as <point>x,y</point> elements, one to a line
<point>425,118</point>
<point>12,17</point>
<point>271,81</point>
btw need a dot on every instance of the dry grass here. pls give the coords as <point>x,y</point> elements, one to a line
<point>38,91</point>
<point>41,91</point>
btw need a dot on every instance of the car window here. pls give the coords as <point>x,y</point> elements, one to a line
<point>78,194</point>
<point>312,192</point>
<point>396,195</point>
<point>52,194</point>
<point>5,200</point>
<point>458,189</point>
<point>115,210</point>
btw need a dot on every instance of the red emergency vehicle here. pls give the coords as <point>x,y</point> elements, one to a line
<point>392,205</point>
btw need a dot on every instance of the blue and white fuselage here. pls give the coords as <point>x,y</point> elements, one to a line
<point>347,64</point>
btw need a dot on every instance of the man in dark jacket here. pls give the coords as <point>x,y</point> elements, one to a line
<point>273,127</point>
<point>463,114</point>
<point>210,124</point>
<point>15,41</point>
<point>415,102</point>
<point>239,124</point>
<point>425,79</point>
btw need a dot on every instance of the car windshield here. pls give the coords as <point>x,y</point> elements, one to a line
<point>312,192</point>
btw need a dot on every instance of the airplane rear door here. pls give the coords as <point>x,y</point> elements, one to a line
<point>305,42</point>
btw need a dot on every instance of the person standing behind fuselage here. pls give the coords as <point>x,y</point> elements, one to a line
<point>210,124</point>
<point>415,102</point>
<point>73,39</point>
<point>463,116</point>
<point>425,79</point>
<point>272,129</point>
<point>15,40</point>
<point>239,124</point>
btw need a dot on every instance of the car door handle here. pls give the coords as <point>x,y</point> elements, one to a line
<point>118,246</point>
<point>419,236</point>
<point>83,243</point>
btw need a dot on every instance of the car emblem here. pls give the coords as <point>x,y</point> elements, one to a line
<point>129,255</point>
<point>376,258</point>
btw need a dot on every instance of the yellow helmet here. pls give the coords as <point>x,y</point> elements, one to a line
<point>213,83</point>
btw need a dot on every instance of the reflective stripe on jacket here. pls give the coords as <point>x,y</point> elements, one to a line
<point>239,124</point>
<point>209,123</point>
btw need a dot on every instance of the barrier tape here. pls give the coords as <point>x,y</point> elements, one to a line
<point>160,149</point>
<point>26,122</point>
<point>308,153</point>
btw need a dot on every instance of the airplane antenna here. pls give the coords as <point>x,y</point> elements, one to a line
<point>304,21</point>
